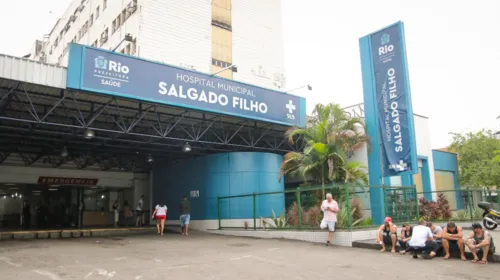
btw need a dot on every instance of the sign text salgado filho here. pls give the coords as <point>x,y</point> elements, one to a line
<point>105,72</point>
<point>392,101</point>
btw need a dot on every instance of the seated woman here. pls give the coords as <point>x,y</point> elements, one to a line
<point>406,233</point>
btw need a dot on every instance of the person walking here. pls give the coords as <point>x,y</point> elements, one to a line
<point>127,213</point>
<point>116,208</point>
<point>330,209</point>
<point>160,215</point>
<point>138,211</point>
<point>185,210</point>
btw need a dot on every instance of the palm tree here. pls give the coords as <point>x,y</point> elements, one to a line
<point>329,136</point>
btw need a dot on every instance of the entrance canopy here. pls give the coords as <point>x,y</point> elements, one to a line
<point>41,118</point>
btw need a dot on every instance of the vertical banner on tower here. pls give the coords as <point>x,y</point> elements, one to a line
<point>393,101</point>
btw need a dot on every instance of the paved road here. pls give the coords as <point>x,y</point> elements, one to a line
<point>203,256</point>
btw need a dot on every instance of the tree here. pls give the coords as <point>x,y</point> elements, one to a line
<point>477,160</point>
<point>329,136</point>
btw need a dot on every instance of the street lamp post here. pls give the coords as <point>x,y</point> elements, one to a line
<point>309,87</point>
<point>233,68</point>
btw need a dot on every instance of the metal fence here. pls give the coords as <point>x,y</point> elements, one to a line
<point>300,208</point>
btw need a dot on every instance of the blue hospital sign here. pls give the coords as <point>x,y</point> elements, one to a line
<point>392,101</point>
<point>106,72</point>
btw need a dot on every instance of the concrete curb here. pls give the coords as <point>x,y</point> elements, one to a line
<point>75,233</point>
<point>370,244</point>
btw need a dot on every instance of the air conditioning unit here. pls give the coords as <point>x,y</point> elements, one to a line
<point>67,27</point>
<point>132,9</point>
<point>72,18</point>
<point>43,58</point>
<point>80,8</point>
<point>39,46</point>
<point>104,38</point>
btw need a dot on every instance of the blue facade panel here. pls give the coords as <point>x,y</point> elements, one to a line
<point>445,161</point>
<point>222,175</point>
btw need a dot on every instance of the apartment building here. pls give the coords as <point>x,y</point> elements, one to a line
<point>203,35</point>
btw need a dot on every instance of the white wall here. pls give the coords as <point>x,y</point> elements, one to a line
<point>422,136</point>
<point>180,33</point>
<point>105,19</point>
<point>258,41</point>
<point>141,187</point>
<point>176,32</point>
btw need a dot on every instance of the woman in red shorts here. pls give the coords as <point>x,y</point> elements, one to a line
<point>161,215</point>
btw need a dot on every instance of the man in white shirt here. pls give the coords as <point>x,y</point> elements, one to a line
<point>330,209</point>
<point>422,239</point>
<point>138,210</point>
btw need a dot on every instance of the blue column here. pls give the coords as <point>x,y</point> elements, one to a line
<point>426,178</point>
<point>374,157</point>
<point>406,180</point>
<point>458,194</point>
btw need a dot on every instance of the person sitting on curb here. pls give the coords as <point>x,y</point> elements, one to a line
<point>387,235</point>
<point>452,240</point>
<point>422,240</point>
<point>437,233</point>
<point>480,241</point>
<point>406,233</point>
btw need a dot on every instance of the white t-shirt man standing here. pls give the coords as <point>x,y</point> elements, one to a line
<point>330,209</point>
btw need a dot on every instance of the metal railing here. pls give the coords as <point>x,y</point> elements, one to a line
<point>300,208</point>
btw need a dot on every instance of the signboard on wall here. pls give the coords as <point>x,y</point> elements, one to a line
<point>42,180</point>
<point>194,194</point>
<point>392,101</point>
<point>106,72</point>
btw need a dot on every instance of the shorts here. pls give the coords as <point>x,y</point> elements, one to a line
<point>387,240</point>
<point>161,217</point>
<point>184,219</point>
<point>453,245</point>
<point>324,224</point>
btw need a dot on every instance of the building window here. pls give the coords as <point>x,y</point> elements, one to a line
<point>220,64</point>
<point>83,30</point>
<point>131,8</point>
<point>133,46</point>
<point>104,37</point>
<point>104,4</point>
<point>113,26</point>
<point>91,19</point>
<point>97,12</point>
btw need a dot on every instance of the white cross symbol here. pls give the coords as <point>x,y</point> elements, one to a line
<point>400,167</point>
<point>290,107</point>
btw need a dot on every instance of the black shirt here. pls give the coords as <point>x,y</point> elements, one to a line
<point>185,207</point>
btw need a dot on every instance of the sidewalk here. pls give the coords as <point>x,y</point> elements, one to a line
<point>72,232</point>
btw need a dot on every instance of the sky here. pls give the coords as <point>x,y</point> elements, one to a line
<point>453,49</point>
